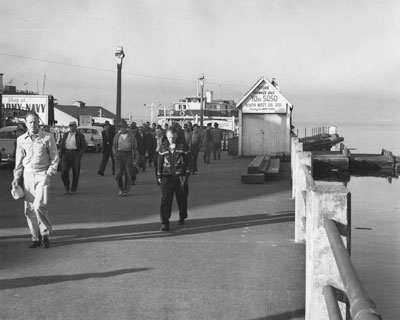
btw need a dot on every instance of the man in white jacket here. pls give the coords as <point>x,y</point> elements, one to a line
<point>36,160</point>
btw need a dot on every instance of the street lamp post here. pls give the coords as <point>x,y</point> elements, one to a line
<point>201,79</point>
<point>119,56</point>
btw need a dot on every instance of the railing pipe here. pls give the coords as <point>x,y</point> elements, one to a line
<point>361,307</point>
<point>332,303</point>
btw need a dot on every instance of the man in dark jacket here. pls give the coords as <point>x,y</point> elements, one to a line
<point>173,169</point>
<point>141,139</point>
<point>73,146</point>
<point>108,138</point>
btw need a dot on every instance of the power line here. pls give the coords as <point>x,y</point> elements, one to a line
<point>109,70</point>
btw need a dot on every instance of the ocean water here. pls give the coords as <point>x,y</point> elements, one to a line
<point>375,204</point>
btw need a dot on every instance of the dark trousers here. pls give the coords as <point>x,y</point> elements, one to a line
<point>169,186</point>
<point>217,150</point>
<point>195,154</point>
<point>123,162</point>
<point>155,163</point>
<point>150,157</point>
<point>70,160</point>
<point>107,153</point>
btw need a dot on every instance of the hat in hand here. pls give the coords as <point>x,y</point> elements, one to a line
<point>17,192</point>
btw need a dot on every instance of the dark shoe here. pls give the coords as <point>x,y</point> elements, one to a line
<point>181,221</point>
<point>164,227</point>
<point>35,244</point>
<point>46,242</point>
<point>100,173</point>
<point>113,173</point>
<point>66,190</point>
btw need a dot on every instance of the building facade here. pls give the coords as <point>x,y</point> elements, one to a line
<point>264,120</point>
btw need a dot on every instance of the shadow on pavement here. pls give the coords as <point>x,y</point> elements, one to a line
<point>42,280</point>
<point>151,230</point>
<point>285,316</point>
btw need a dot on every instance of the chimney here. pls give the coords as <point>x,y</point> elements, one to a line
<point>1,83</point>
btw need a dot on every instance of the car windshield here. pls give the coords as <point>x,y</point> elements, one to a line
<point>86,130</point>
<point>8,135</point>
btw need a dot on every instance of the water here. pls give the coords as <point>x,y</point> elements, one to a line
<point>375,216</point>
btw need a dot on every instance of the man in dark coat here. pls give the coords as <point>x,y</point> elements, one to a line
<point>173,169</point>
<point>73,146</point>
<point>108,138</point>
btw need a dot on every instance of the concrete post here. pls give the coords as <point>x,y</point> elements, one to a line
<point>323,202</point>
<point>302,158</point>
<point>295,140</point>
<point>298,147</point>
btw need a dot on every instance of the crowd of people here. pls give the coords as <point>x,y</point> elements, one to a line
<point>172,151</point>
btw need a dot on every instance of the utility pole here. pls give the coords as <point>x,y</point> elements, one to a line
<point>152,105</point>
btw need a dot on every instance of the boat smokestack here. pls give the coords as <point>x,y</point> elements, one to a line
<point>209,96</point>
<point>1,82</point>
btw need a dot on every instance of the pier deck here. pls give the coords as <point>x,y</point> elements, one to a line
<point>235,258</point>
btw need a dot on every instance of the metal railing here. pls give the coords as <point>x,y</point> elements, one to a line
<point>322,216</point>
<point>361,307</point>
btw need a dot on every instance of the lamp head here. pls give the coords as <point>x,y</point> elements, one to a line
<point>119,54</point>
<point>201,78</point>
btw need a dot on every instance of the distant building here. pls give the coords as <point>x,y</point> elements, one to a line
<point>265,117</point>
<point>64,114</point>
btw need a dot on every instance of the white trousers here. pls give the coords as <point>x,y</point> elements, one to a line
<point>36,185</point>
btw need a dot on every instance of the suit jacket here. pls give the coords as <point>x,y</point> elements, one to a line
<point>81,145</point>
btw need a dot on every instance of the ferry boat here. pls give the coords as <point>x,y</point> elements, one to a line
<point>188,109</point>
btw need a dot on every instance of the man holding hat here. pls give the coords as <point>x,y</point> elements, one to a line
<point>73,146</point>
<point>36,161</point>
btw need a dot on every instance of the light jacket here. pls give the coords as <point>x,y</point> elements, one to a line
<point>132,141</point>
<point>38,155</point>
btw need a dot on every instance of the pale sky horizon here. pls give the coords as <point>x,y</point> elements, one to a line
<point>333,59</point>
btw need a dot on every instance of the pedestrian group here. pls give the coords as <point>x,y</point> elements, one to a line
<point>172,151</point>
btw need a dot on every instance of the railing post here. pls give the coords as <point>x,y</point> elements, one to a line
<point>302,158</point>
<point>323,202</point>
<point>298,147</point>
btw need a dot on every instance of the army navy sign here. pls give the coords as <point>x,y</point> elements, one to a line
<point>34,103</point>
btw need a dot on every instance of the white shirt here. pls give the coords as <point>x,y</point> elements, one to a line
<point>70,142</point>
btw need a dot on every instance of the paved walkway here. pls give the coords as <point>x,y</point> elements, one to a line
<point>235,258</point>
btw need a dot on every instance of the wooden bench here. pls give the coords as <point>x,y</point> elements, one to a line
<point>255,165</point>
<point>252,173</point>
<point>273,168</point>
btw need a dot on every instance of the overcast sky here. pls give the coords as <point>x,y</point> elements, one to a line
<point>331,58</point>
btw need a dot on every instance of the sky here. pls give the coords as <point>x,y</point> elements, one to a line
<point>334,60</point>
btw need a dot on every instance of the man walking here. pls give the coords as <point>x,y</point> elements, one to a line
<point>73,146</point>
<point>172,173</point>
<point>125,150</point>
<point>36,161</point>
<point>217,139</point>
<point>108,138</point>
<point>207,143</point>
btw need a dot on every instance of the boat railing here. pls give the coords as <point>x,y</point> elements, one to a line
<point>323,223</point>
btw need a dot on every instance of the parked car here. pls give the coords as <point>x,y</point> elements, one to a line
<point>93,137</point>
<point>8,137</point>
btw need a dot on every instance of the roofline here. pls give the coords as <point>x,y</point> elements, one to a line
<point>255,86</point>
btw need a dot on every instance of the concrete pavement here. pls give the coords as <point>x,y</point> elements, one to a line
<point>235,258</point>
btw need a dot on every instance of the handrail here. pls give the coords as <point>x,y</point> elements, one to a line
<point>332,303</point>
<point>361,307</point>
